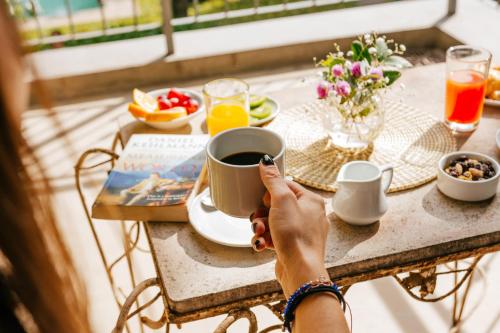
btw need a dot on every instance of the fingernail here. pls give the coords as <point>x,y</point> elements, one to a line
<point>254,226</point>
<point>267,160</point>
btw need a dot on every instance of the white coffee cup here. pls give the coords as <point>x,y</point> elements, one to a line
<point>237,190</point>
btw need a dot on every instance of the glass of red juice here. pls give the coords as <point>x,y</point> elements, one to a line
<point>466,75</point>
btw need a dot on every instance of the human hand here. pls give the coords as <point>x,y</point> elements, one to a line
<point>293,222</point>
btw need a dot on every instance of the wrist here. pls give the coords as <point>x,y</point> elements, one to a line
<point>303,270</point>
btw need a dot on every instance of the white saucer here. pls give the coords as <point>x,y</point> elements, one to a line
<point>217,226</point>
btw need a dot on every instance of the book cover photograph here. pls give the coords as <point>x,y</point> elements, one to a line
<point>153,171</point>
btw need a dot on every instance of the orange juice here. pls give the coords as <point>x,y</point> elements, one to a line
<point>226,116</point>
<point>465,91</point>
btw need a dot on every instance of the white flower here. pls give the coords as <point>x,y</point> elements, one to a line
<point>340,54</point>
<point>386,79</point>
<point>348,64</point>
<point>372,50</point>
<point>380,40</point>
<point>402,47</point>
<point>349,53</point>
<point>368,39</point>
<point>369,81</point>
<point>389,52</point>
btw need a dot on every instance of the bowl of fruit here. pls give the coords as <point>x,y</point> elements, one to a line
<point>166,108</point>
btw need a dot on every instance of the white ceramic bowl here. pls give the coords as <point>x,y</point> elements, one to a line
<point>179,122</point>
<point>467,190</point>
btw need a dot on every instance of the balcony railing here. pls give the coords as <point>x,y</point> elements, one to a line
<point>41,31</point>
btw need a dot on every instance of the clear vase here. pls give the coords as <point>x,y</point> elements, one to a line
<point>354,126</point>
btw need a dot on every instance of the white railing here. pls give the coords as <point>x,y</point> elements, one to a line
<point>167,23</point>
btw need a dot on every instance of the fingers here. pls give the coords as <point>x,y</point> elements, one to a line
<point>262,236</point>
<point>262,242</point>
<point>260,212</point>
<point>271,177</point>
<point>296,188</point>
<point>266,200</point>
<point>258,243</point>
<point>259,226</point>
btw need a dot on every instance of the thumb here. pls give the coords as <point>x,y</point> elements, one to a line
<point>271,177</point>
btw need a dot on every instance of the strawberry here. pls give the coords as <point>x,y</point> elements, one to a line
<point>164,103</point>
<point>191,106</point>
<point>173,93</point>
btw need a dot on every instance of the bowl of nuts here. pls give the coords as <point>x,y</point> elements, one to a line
<point>468,176</point>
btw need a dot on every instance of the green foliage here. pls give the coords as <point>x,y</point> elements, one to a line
<point>370,64</point>
<point>393,75</point>
<point>357,50</point>
<point>151,13</point>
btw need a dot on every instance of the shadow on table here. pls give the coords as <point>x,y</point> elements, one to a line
<point>210,253</point>
<point>427,149</point>
<point>343,237</point>
<point>320,162</point>
<point>440,206</point>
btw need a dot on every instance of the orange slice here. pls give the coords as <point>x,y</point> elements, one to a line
<point>167,115</point>
<point>144,100</point>
<point>137,111</point>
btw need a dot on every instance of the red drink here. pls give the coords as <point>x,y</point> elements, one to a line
<point>466,73</point>
<point>465,91</point>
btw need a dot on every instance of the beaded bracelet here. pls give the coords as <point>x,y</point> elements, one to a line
<point>307,289</point>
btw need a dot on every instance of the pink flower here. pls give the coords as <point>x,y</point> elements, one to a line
<point>337,70</point>
<point>322,90</point>
<point>343,88</point>
<point>356,69</point>
<point>377,73</point>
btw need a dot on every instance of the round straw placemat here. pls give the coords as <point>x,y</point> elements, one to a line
<point>411,141</point>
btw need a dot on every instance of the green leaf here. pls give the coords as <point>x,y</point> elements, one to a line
<point>365,112</point>
<point>330,61</point>
<point>393,75</point>
<point>356,48</point>
<point>397,62</point>
<point>366,55</point>
<point>336,61</point>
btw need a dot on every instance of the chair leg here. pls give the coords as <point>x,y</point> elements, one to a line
<point>233,316</point>
<point>131,299</point>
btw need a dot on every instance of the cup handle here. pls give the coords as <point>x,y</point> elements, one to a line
<point>386,180</point>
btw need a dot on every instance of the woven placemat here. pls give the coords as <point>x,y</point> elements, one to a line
<point>411,141</point>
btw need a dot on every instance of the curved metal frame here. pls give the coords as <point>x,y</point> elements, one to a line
<point>423,275</point>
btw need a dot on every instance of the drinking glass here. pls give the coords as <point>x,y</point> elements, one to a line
<point>466,75</point>
<point>227,104</point>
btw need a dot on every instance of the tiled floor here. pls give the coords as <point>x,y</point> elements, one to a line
<point>377,306</point>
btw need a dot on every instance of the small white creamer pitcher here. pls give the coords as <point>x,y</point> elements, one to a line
<point>360,197</point>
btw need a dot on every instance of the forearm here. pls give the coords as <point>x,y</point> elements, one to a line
<point>320,313</point>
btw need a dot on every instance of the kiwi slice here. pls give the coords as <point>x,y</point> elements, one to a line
<point>262,111</point>
<point>256,101</point>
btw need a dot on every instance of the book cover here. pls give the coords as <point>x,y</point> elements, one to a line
<point>153,179</point>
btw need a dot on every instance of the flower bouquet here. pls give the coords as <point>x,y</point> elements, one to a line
<point>351,86</point>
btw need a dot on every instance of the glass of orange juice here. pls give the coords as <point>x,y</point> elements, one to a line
<point>466,75</point>
<point>227,104</point>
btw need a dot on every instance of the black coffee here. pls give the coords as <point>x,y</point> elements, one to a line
<point>244,158</point>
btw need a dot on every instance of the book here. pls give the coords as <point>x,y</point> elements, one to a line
<point>154,179</point>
